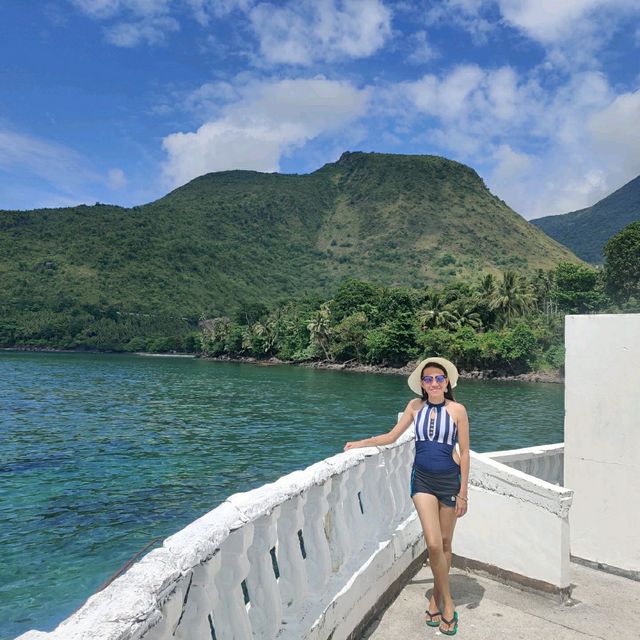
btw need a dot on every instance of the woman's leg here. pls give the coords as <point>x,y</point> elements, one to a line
<point>428,512</point>
<point>447,524</point>
<point>447,516</point>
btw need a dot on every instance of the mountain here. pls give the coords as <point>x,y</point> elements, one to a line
<point>586,231</point>
<point>237,237</point>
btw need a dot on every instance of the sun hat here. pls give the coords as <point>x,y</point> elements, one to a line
<point>414,381</point>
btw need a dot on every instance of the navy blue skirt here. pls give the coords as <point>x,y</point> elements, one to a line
<point>444,486</point>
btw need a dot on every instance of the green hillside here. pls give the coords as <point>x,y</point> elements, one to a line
<point>586,231</point>
<point>82,275</point>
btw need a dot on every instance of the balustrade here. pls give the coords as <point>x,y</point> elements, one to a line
<point>294,558</point>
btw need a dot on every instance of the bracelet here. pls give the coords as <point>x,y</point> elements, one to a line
<point>461,498</point>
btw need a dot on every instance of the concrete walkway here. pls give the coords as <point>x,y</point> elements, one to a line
<point>601,606</point>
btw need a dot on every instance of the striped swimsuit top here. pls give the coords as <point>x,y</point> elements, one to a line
<point>436,436</point>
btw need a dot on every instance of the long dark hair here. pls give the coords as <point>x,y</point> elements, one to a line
<point>448,394</point>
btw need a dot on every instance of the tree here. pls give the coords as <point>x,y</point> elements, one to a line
<point>542,284</point>
<point>464,314</point>
<point>392,343</point>
<point>575,288</point>
<point>512,297</point>
<point>484,292</point>
<point>518,347</point>
<point>320,329</point>
<point>622,264</point>
<point>487,285</point>
<point>352,296</point>
<point>214,333</point>
<point>348,338</point>
<point>435,314</point>
<point>250,312</point>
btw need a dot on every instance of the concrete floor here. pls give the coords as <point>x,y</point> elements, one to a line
<point>601,606</point>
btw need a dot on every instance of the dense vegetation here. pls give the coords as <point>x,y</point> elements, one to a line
<point>586,231</point>
<point>511,324</point>
<point>106,277</point>
<point>622,267</point>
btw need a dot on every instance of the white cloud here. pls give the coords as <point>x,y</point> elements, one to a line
<point>203,10</point>
<point>588,146</point>
<point>466,14</point>
<point>116,179</point>
<point>542,150</point>
<point>615,136</point>
<point>269,120</point>
<point>470,97</point>
<point>571,31</point>
<point>421,49</point>
<point>145,21</point>
<point>98,8</point>
<point>297,32</point>
<point>52,174</point>
<point>152,31</point>
<point>50,161</point>
<point>103,9</point>
<point>550,21</point>
<point>307,31</point>
<point>510,165</point>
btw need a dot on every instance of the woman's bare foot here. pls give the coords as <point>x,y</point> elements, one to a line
<point>449,613</point>
<point>433,616</point>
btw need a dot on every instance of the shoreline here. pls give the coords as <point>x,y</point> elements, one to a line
<point>177,354</point>
<point>475,374</point>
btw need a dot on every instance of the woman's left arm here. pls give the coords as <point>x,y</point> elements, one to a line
<point>462,424</point>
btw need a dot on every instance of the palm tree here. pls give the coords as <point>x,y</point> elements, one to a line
<point>247,339</point>
<point>487,286</point>
<point>320,329</point>
<point>512,297</point>
<point>466,316</point>
<point>434,314</point>
<point>213,330</point>
<point>543,285</point>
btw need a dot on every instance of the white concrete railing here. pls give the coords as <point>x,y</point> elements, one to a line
<point>289,559</point>
<point>545,462</point>
<point>309,556</point>
<point>517,523</point>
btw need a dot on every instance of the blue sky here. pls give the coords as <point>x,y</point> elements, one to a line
<point>120,101</point>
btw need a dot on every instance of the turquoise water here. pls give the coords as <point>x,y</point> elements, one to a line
<point>100,454</point>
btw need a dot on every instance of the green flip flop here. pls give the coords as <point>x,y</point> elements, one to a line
<point>454,622</point>
<point>431,622</point>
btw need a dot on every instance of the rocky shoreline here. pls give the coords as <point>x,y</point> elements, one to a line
<point>476,374</point>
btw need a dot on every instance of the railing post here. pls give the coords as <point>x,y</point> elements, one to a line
<point>336,526</point>
<point>318,556</point>
<point>265,611</point>
<point>376,495</point>
<point>293,575</point>
<point>230,613</point>
<point>351,485</point>
<point>195,622</point>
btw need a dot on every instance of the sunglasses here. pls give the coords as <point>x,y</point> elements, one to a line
<point>429,379</point>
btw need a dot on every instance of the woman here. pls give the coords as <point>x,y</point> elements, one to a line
<point>440,475</point>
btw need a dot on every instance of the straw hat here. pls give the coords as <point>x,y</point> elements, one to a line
<point>414,381</point>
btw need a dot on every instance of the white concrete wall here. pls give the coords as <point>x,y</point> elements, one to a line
<point>602,437</point>
<point>515,522</point>
<point>545,462</point>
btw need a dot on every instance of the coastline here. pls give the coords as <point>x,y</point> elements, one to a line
<point>22,349</point>
<point>476,374</point>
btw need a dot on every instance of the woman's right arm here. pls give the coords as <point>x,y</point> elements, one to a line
<point>387,438</point>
